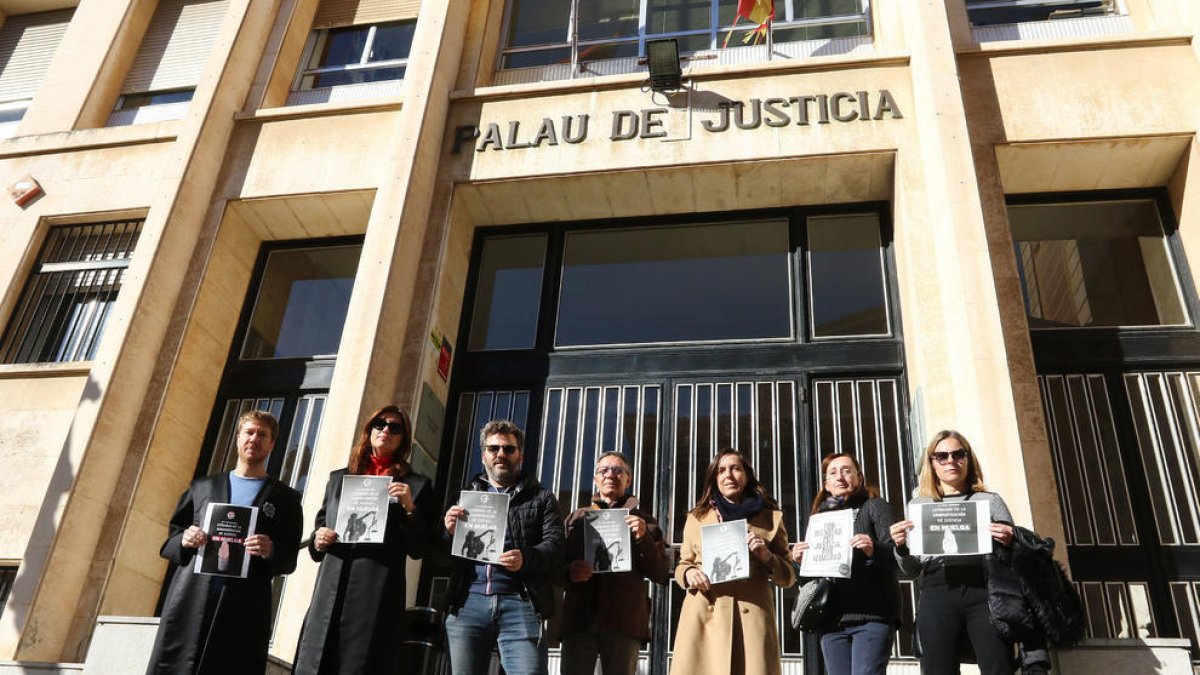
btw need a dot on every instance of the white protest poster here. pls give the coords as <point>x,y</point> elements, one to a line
<point>724,555</point>
<point>829,552</point>
<point>607,545</point>
<point>950,528</point>
<point>479,534</point>
<point>362,511</point>
<point>227,526</point>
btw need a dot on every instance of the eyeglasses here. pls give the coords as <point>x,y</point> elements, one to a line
<point>844,471</point>
<point>498,449</point>
<point>379,424</point>
<point>617,471</point>
<point>941,457</point>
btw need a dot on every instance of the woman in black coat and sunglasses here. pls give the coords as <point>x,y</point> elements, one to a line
<point>953,603</point>
<point>354,622</point>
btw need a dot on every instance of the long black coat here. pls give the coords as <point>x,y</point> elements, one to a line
<point>237,639</point>
<point>354,622</point>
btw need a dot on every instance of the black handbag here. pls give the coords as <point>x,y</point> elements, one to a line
<point>813,604</point>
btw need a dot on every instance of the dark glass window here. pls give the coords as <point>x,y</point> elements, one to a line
<point>726,281</point>
<point>8,575</point>
<point>845,276</point>
<point>509,292</point>
<point>1093,264</point>
<point>302,302</point>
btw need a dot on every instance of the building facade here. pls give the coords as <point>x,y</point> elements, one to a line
<point>885,219</point>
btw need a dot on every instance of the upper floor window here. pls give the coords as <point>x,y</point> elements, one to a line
<point>986,12</point>
<point>1096,264</point>
<point>64,308</point>
<point>575,32</point>
<point>169,61</point>
<point>357,55</point>
<point>709,282</point>
<point>27,44</point>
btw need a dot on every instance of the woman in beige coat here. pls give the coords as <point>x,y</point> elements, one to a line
<point>729,628</point>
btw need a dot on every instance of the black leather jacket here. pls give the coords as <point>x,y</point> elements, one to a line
<point>536,527</point>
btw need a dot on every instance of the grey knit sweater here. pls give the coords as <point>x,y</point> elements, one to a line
<point>912,565</point>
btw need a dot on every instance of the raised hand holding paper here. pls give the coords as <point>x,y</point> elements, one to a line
<point>950,528</point>
<point>607,545</point>
<point>363,510</point>
<point>724,553</point>
<point>480,532</point>
<point>829,551</point>
<point>227,526</point>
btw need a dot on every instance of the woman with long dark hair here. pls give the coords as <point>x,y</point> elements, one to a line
<point>857,636</point>
<point>354,621</point>
<point>729,628</point>
<point>953,602</point>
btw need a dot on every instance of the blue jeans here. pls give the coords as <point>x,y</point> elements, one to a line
<point>506,622</point>
<point>860,649</point>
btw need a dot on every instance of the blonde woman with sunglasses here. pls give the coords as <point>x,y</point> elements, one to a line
<point>953,604</point>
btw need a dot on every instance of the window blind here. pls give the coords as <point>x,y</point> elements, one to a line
<point>176,46</point>
<point>27,43</point>
<point>334,13</point>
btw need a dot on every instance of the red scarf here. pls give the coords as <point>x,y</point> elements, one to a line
<point>380,466</point>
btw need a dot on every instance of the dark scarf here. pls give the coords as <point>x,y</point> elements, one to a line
<point>749,507</point>
<point>600,503</point>
<point>853,500</point>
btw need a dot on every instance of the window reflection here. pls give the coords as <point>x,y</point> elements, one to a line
<point>508,293</point>
<point>845,276</point>
<point>302,302</point>
<point>1095,264</point>
<point>726,281</point>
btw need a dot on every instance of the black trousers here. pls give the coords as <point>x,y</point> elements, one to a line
<point>948,614</point>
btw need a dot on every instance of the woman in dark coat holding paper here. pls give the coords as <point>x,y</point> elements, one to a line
<point>355,619</point>
<point>857,638</point>
<point>729,628</point>
<point>953,603</point>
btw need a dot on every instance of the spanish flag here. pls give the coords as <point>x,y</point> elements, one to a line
<point>761,12</point>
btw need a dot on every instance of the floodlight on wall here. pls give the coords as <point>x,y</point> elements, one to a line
<point>662,56</point>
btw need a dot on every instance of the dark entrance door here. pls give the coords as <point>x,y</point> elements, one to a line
<point>669,339</point>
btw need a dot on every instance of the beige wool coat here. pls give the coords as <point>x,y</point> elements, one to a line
<point>730,630</point>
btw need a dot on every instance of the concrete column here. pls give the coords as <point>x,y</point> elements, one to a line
<point>956,351</point>
<point>372,345</point>
<point>47,618</point>
<point>87,71</point>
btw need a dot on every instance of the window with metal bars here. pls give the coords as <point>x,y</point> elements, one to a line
<point>66,302</point>
<point>8,575</point>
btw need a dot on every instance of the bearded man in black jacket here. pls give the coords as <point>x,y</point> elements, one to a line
<point>503,605</point>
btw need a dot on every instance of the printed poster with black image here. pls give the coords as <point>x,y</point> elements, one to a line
<point>607,544</point>
<point>479,534</point>
<point>829,551</point>
<point>724,554</point>
<point>950,528</point>
<point>227,527</point>
<point>362,511</point>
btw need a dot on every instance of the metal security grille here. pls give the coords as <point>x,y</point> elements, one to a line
<point>1092,485</point>
<point>1117,609</point>
<point>583,422</point>
<point>1167,420</point>
<point>1185,597</point>
<point>7,576</point>
<point>66,302</point>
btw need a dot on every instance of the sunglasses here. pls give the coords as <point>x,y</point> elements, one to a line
<point>498,449</point>
<point>941,457</point>
<point>379,424</point>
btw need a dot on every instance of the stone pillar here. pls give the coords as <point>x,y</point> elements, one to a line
<point>49,620</point>
<point>87,71</point>
<point>373,346</point>
<point>956,348</point>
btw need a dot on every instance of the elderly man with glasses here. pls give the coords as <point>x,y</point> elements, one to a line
<point>504,605</point>
<point>607,615</point>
